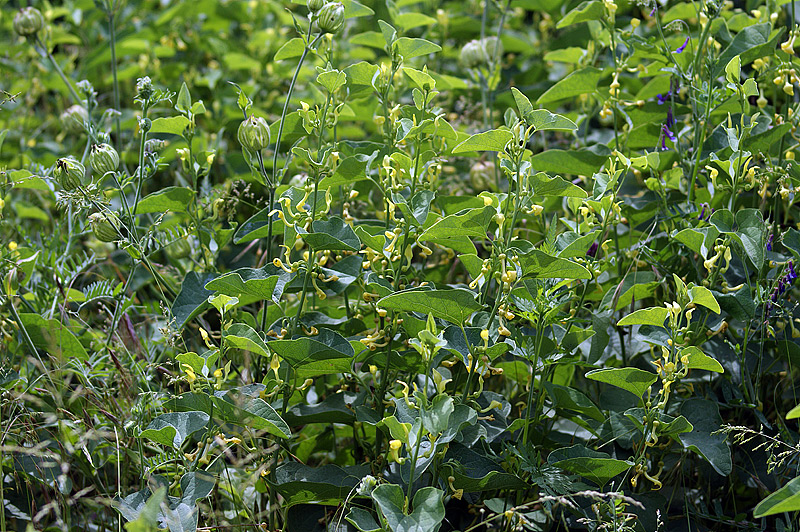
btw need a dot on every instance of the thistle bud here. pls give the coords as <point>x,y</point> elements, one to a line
<point>254,133</point>
<point>330,17</point>
<point>104,159</point>
<point>69,173</point>
<point>105,226</point>
<point>28,21</point>
<point>315,5</point>
<point>73,118</point>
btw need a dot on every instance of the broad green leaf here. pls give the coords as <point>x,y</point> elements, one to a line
<point>492,140</point>
<point>174,125</point>
<point>362,520</point>
<point>704,416</point>
<point>523,103</point>
<point>472,223</point>
<point>257,283</point>
<point>427,514</point>
<point>539,264</point>
<point>568,398</point>
<point>579,82</point>
<point>733,70</point>
<point>794,413</point>
<point>598,470</point>
<point>173,428</point>
<point>323,354</point>
<point>409,47</point>
<point>453,305</point>
<point>291,49</point>
<point>750,43</point>
<point>332,234</point>
<point>700,360</point>
<point>646,316</point>
<point>328,484</point>
<point>242,336</point>
<point>332,80</point>
<point>700,295</point>
<point>436,416</point>
<point>474,472</point>
<point>174,199</point>
<point>421,78</point>
<point>257,226</point>
<point>637,381</point>
<point>184,101</point>
<point>235,407</point>
<point>752,233</point>
<point>574,162</point>
<point>544,185</point>
<point>193,297</point>
<point>52,336</point>
<point>584,12</point>
<point>542,119</point>
<point>785,499</point>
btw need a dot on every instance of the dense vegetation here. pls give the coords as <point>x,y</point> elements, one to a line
<point>405,266</point>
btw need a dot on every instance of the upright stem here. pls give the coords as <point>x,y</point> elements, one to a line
<point>286,106</point>
<point>72,92</point>
<point>113,41</point>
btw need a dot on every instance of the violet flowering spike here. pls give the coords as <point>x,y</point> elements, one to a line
<point>702,212</point>
<point>592,251</point>
<point>664,97</point>
<point>769,244</point>
<point>653,12</point>
<point>682,47</point>
<point>667,133</point>
<point>670,120</point>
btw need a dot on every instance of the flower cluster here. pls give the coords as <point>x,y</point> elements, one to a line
<point>666,128</point>
<point>783,284</point>
<point>703,215</point>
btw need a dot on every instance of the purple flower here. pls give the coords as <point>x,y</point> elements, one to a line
<point>592,251</point>
<point>682,47</point>
<point>791,276</point>
<point>702,212</point>
<point>670,120</point>
<point>769,245</point>
<point>653,12</point>
<point>662,98</point>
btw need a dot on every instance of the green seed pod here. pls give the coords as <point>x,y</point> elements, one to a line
<point>105,226</point>
<point>254,133</point>
<point>104,159</point>
<point>69,173</point>
<point>315,5</point>
<point>73,118</point>
<point>28,21</point>
<point>180,249</point>
<point>330,17</point>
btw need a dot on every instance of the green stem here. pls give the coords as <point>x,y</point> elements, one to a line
<point>112,34</point>
<point>286,107</point>
<point>72,91</point>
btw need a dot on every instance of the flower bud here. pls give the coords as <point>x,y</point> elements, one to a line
<point>180,249</point>
<point>105,226</point>
<point>330,17</point>
<point>471,55</point>
<point>315,5</point>
<point>104,159</point>
<point>73,118</point>
<point>69,173</point>
<point>28,21</point>
<point>254,133</point>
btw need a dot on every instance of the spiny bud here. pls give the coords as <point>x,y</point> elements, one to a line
<point>105,226</point>
<point>104,159</point>
<point>73,118</point>
<point>69,173</point>
<point>330,17</point>
<point>254,133</point>
<point>28,21</point>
